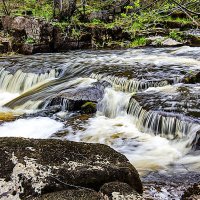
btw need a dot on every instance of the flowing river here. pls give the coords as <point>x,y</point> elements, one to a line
<point>145,108</point>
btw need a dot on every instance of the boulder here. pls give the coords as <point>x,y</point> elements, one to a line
<point>192,78</point>
<point>31,167</point>
<point>34,28</point>
<point>81,194</point>
<point>171,42</point>
<point>29,49</point>
<point>163,41</point>
<point>114,190</point>
<point>83,99</point>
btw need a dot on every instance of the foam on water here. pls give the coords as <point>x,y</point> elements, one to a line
<point>39,127</point>
<point>145,151</point>
<point>114,127</point>
<point>6,97</point>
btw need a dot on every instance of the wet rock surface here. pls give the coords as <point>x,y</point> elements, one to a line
<point>33,167</point>
<point>83,99</point>
<point>107,63</point>
<point>38,64</point>
<point>178,100</point>
<point>170,185</point>
<point>119,190</point>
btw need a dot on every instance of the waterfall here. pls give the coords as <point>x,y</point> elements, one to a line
<point>114,103</point>
<point>41,95</point>
<point>167,125</point>
<point>128,85</point>
<point>20,81</point>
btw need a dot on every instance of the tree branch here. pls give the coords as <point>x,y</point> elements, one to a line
<point>184,8</point>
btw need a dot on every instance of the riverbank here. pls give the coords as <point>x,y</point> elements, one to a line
<point>30,35</point>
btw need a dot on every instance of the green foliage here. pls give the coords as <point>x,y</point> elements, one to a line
<point>61,25</point>
<point>96,22</point>
<point>76,33</point>
<point>123,15</point>
<point>141,41</point>
<point>175,35</point>
<point>30,40</point>
<point>137,3</point>
<point>42,8</point>
<point>128,8</point>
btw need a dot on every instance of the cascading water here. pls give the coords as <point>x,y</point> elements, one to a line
<point>21,81</point>
<point>155,130</point>
<point>115,127</point>
<point>167,125</point>
<point>127,85</point>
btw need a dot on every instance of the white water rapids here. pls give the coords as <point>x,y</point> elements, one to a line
<point>114,127</point>
<point>111,125</point>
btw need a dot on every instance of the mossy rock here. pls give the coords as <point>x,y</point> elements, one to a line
<point>89,107</point>
<point>192,78</point>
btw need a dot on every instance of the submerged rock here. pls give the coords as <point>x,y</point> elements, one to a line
<point>6,117</point>
<point>35,167</point>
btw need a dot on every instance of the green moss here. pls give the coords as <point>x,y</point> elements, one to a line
<point>89,104</point>
<point>116,136</point>
<point>88,107</point>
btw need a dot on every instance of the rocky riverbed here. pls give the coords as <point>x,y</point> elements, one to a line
<point>143,103</point>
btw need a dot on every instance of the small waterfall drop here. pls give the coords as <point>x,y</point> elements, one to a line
<point>114,103</point>
<point>167,125</point>
<point>20,81</point>
<point>128,85</point>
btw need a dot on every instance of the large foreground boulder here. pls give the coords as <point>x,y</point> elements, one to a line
<point>30,168</point>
